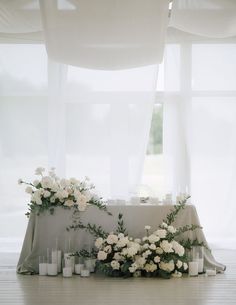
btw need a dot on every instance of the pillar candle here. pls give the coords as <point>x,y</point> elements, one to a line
<point>67,272</point>
<point>52,269</point>
<point>78,268</point>
<point>43,269</point>
<point>193,268</point>
<point>84,273</point>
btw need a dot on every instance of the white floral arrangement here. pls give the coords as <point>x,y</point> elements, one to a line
<point>156,254</point>
<point>49,191</point>
<point>162,252</point>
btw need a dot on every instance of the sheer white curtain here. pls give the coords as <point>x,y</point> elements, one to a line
<point>199,128</point>
<point>82,121</point>
<point>102,125</point>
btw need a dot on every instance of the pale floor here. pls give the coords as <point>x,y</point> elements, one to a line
<point>34,290</point>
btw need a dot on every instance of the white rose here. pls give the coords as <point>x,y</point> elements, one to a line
<point>178,248</point>
<point>185,265</point>
<point>122,242</point>
<point>39,170</point>
<point>153,238</point>
<point>112,239</point>
<point>145,238</point>
<point>147,227</point>
<point>132,251</point>
<point>117,256</point>
<point>52,199</point>
<point>69,203</point>
<point>64,182</point>
<point>152,247</point>
<point>170,266</point>
<point>166,246</point>
<point>164,225</point>
<point>82,203</point>
<point>98,242</point>
<point>29,190</point>
<point>176,274</point>
<point>146,253</point>
<point>115,265</point>
<point>77,194</point>
<point>150,267</point>
<point>159,250</point>
<point>46,194</point>
<point>137,240</point>
<point>145,246</point>
<point>179,264</point>
<point>157,259</point>
<point>47,182</point>
<point>161,233</point>
<point>36,197</point>
<point>133,268</point>
<point>107,249</point>
<point>73,180</point>
<point>124,251</point>
<point>171,229</point>
<point>140,261</point>
<point>102,255</point>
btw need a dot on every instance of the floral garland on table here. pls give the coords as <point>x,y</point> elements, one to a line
<point>158,253</point>
<point>49,191</point>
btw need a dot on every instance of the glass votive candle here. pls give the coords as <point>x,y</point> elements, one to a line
<point>67,272</point>
<point>69,261</point>
<point>90,264</point>
<point>198,256</point>
<point>210,272</point>
<point>51,262</point>
<point>84,273</point>
<point>42,266</point>
<point>193,268</point>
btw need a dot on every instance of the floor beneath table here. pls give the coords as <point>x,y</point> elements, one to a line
<point>34,290</point>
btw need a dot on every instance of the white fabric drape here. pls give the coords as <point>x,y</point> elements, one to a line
<point>209,18</point>
<point>105,34</point>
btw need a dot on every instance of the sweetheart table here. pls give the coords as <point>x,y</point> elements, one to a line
<point>43,230</point>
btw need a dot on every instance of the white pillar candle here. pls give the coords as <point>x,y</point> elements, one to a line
<point>210,272</point>
<point>193,268</point>
<point>90,264</point>
<point>67,272</point>
<point>52,269</point>
<point>200,264</point>
<point>43,269</point>
<point>78,268</point>
<point>84,273</point>
<point>69,261</point>
<point>59,261</point>
<point>54,256</point>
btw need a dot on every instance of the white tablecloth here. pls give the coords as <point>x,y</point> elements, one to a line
<point>43,230</point>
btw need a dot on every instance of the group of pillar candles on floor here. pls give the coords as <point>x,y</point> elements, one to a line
<point>196,265</point>
<point>67,264</point>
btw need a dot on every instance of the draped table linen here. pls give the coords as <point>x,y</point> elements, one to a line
<point>44,229</point>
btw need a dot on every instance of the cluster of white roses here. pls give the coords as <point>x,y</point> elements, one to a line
<point>51,190</point>
<point>154,252</point>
